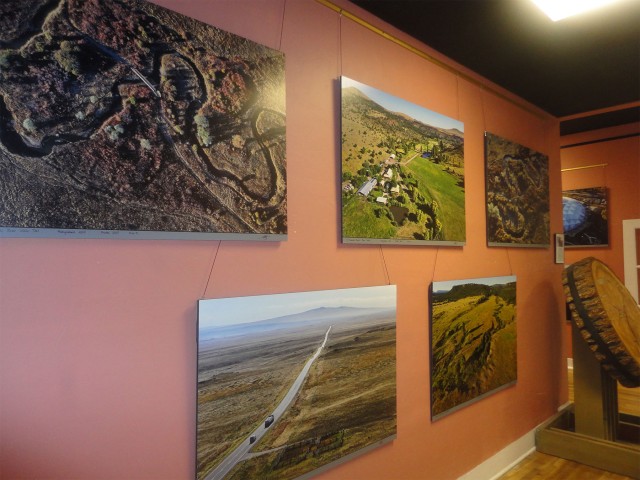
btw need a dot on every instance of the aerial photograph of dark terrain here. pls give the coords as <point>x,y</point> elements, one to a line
<point>402,170</point>
<point>473,340</point>
<point>291,383</point>
<point>517,183</point>
<point>123,116</point>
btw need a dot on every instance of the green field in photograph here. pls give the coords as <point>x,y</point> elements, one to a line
<point>361,220</point>
<point>473,342</point>
<point>444,188</point>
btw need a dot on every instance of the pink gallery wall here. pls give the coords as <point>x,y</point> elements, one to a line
<point>97,337</point>
<point>618,148</point>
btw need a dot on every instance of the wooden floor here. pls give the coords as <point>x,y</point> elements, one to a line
<point>539,466</point>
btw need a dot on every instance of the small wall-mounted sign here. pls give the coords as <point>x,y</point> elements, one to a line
<point>559,247</point>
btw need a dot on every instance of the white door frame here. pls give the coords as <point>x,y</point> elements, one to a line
<point>631,260</point>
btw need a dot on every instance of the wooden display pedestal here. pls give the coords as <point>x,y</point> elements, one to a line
<point>591,431</point>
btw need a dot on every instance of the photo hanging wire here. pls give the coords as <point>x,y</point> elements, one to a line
<point>213,263</point>
<point>458,95</point>
<point>509,261</point>
<point>340,44</point>
<point>484,118</point>
<point>435,262</point>
<point>384,266</point>
<point>284,8</point>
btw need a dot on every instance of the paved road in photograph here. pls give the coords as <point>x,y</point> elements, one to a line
<point>239,453</point>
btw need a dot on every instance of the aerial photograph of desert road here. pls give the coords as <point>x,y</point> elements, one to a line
<point>290,383</point>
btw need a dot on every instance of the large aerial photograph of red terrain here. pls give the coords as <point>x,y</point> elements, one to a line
<point>123,117</point>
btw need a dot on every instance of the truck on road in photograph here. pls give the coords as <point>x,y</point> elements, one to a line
<point>268,421</point>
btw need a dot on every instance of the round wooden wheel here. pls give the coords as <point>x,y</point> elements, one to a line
<point>607,316</point>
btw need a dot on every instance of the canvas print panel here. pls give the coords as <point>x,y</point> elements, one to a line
<point>291,383</point>
<point>473,340</point>
<point>517,184</point>
<point>120,115</point>
<point>585,217</point>
<point>402,170</point>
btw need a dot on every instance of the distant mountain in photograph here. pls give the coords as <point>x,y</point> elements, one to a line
<point>402,178</point>
<point>309,318</point>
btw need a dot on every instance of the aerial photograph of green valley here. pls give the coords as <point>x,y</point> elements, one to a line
<point>402,170</point>
<point>473,340</point>
<point>123,116</point>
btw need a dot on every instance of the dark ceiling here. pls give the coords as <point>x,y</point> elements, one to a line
<point>572,66</point>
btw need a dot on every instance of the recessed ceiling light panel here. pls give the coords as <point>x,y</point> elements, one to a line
<point>559,9</point>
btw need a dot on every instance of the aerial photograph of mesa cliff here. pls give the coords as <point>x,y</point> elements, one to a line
<point>473,340</point>
<point>120,115</point>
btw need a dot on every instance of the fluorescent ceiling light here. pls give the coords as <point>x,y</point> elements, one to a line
<point>559,9</point>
